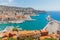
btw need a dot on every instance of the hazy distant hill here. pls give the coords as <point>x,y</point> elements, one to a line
<point>16,10</point>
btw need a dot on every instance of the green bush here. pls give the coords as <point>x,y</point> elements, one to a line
<point>15,29</point>
<point>50,39</point>
<point>54,38</point>
<point>11,38</point>
<point>0,38</point>
<point>47,39</point>
<point>29,39</point>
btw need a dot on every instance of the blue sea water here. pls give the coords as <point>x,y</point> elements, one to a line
<point>55,15</point>
<point>37,24</point>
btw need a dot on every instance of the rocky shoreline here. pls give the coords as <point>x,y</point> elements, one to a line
<point>15,14</point>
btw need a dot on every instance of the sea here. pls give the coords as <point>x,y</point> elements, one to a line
<point>38,24</point>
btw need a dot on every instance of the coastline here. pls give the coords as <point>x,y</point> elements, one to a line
<point>27,17</point>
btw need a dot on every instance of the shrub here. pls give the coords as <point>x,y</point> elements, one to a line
<point>50,39</point>
<point>10,38</point>
<point>0,38</point>
<point>47,39</point>
<point>15,29</point>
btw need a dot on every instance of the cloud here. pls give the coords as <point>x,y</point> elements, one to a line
<point>6,2</point>
<point>10,1</point>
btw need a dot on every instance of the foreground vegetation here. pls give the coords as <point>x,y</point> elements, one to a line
<point>24,37</point>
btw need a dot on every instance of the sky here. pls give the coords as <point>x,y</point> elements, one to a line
<point>47,5</point>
